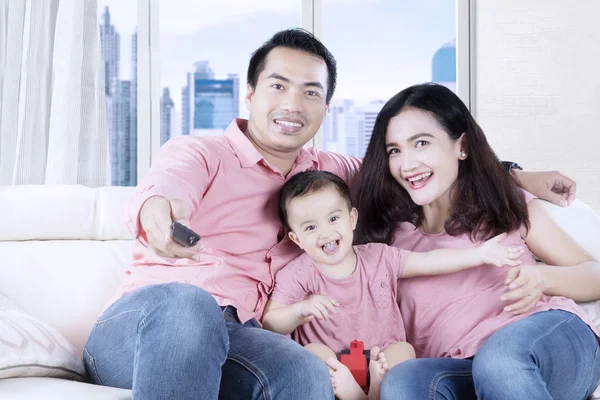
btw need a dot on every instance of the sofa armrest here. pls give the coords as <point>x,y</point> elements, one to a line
<point>580,222</point>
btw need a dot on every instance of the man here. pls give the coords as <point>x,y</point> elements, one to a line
<point>186,324</point>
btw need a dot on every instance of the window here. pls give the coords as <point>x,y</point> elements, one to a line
<point>205,47</point>
<point>118,37</point>
<point>381,48</point>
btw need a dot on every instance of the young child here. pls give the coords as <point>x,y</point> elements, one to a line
<point>336,292</point>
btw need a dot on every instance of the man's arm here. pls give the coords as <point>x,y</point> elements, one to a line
<point>170,191</point>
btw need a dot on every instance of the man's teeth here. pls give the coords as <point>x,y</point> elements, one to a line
<point>419,177</point>
<point>330,244</point>
<point>288,123</point>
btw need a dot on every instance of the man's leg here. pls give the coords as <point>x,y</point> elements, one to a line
<point>429,379</point>
<point>548,355</point>
<point>265,365</point>
<point>163,341</point>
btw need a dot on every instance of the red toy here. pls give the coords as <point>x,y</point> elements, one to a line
<point>356,362</point>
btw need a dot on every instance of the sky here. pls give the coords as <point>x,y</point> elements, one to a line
<point>381,46</point>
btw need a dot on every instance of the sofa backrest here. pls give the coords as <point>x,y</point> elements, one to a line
<point>63,251</point>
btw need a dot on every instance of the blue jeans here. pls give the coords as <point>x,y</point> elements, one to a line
<point>172,341</point>
<point>548,355</point>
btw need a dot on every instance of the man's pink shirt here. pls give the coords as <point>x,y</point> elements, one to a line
<point>231,193</point>
<point>453,315</point>
<point>368,309</point>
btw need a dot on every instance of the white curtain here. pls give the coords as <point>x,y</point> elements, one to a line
<point>52,105</point>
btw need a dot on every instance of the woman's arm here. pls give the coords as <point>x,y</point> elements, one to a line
<point>570,270</point>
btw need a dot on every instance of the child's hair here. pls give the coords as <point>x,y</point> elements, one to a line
<point>306,183</point>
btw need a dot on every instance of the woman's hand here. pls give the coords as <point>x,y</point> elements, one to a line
<point>526,285</point>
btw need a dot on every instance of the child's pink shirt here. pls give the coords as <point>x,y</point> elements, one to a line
<point>452,315</point>
<point>368,308</point>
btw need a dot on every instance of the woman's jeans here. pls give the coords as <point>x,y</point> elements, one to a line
<point>548,355</point>
<point>172,341</point>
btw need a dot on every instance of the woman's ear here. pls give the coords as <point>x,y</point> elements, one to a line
<point>461,147</point>
<point>353,217</point>
<point>294,238</point>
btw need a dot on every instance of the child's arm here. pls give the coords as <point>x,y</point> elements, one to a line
<point>284,319</point>
<point>446,261</point>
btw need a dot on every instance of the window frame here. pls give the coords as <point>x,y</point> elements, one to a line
<point>312,20</point>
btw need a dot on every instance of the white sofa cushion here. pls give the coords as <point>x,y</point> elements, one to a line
<point>29,347</point>
<point>579,221</point>
<point>65,283</point>
<point>43,212</point>
<point>57,389</point>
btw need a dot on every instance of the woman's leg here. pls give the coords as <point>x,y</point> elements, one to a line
<point>429,379</point>
<point>548,355</point>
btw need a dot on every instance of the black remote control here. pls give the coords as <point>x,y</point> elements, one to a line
<point>183,235</point>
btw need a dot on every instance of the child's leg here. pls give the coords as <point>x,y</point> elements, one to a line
<point>344,385</point>
<point>321,351</point>
<point>396,353</point>
<point>383,360</point>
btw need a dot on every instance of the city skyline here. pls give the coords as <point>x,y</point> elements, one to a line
<point>395,64</point>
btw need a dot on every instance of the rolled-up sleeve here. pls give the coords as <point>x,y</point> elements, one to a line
<point>180,170</point>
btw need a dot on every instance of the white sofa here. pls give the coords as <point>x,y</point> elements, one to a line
<point>63,251</point>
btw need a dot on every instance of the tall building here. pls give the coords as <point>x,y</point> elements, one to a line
<point>120,133</point>
<point>166,116</point>
<point>331,126</point>
<point>110,42</point>
<point>208,104</point>
<point>348,129</point>
<point>133,130</point>
<point>369,115</point>
<point>443,65</point>
<point>121,105</point>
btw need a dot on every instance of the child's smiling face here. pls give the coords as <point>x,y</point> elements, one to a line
<point>322,224</point>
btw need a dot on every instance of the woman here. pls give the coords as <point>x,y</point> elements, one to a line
<point>432,181</point>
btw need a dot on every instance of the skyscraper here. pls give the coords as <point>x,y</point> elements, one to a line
<point>120,133</point>
<point>348,128</point>
<point>443,65</point>
<point>110,42</point>
<point>166,116</point>
<point>208,104</point>
<point>331,126</point>
<point>133,130</point>
<point>121,105</point>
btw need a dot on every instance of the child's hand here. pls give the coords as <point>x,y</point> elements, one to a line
<point>492,252</point>
<point>317,306</point>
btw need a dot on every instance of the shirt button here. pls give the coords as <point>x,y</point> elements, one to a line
<point>384,284</point>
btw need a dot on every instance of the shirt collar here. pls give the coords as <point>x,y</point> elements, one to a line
<point>243,148</point>
<point>248,154</point>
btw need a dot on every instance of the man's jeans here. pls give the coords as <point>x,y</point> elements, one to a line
<point>172,341</point>
<point>548,355</point>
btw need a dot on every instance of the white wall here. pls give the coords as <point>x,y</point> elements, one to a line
<point>537,85</point>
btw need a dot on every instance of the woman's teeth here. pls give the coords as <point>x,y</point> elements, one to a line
<point>420,177</point>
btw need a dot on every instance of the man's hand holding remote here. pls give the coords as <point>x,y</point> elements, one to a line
<point>156,218</point>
